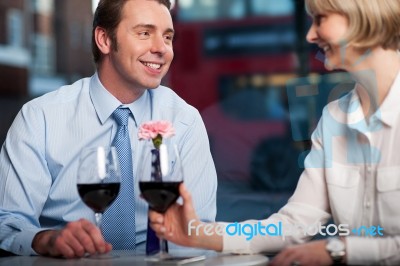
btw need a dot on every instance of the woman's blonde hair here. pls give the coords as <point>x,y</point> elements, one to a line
<point>372,23</point>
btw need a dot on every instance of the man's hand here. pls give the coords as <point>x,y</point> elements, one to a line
<point>73,241</point>
<point>312,253</point>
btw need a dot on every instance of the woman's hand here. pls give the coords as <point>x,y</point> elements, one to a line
<point>181,225</point>
<point>173,224</point>
<point>312,253</point>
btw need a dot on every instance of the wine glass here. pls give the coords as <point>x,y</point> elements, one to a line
<point>98,181</point>
<point>160,174</point>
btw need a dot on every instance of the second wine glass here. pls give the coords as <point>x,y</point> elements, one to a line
<point>160,174</point>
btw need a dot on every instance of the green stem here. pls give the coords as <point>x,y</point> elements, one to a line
<point>157,141</point>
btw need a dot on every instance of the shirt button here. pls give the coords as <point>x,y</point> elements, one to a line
<point>367,204</point>
<point>369,169</point>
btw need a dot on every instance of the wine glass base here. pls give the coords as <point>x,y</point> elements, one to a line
<point>166,258</point>
<point>160,256</point>
<point>101,256</point>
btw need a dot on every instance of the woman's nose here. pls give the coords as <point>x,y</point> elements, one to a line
<point>312,35</point>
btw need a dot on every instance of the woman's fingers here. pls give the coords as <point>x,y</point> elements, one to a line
<point>156,218</point>
<point>160,230</point>
<point>187,199</point>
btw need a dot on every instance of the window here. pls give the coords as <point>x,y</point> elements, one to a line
<point>43,6</point>
<point>203,10</point>
<point>43,58</point>
<point>272,8</point>
<point>15,28</point>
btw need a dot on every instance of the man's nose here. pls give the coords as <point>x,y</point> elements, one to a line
<point>159,45</point>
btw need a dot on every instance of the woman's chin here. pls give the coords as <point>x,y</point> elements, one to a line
<point>329,66</point>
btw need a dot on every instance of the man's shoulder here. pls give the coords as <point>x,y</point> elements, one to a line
<point>63,95</point>
<point>166,97</point>
<point>171,104</point>
<point>166,93</point>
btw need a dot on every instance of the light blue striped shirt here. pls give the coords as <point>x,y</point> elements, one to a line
<point>39,159</point>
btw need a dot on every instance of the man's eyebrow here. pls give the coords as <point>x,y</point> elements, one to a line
<point>152,27</point>
<point>169,30</point>
<point>148,26</point>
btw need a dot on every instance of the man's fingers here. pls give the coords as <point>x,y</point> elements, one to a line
<point>92,239</point>
<point>72,236</point>
<point>82,237</point>
<point>108,247</point>
<point>74,241</point>
<point>60,246</point>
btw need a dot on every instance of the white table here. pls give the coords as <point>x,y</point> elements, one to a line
<point>130,258</point>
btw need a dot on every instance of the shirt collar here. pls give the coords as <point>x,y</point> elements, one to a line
<point>105,103</point>
<point>390,107</point>
<point>386,113</point>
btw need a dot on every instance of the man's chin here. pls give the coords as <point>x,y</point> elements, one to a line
<point>152,87</point>
<point>151,84</point>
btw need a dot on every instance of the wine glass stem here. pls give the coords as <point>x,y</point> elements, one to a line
<point>98,217</point>
<point>163,247</point>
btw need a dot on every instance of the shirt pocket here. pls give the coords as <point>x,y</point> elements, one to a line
<point>388,197</point>
<point>343,191</point>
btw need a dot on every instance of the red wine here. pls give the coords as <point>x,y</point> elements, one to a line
<point>98,196</point>
<point>160,195</point>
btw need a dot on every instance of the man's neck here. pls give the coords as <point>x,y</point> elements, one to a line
<point>125,92</point>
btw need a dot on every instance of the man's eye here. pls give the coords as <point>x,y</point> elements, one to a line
<point>169,37</point>
<point>144,34</point>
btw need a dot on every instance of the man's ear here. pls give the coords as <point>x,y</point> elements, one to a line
<point>102,40</point>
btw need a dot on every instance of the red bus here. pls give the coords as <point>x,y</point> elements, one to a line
<point>232,61</point>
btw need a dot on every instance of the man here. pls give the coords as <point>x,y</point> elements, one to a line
<point>40,209</point>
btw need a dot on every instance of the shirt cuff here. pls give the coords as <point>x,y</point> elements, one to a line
<point>361,250</point>
<point>22,244</point>
<point>235,243</point>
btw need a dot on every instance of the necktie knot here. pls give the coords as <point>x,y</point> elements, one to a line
<point>121,116</point>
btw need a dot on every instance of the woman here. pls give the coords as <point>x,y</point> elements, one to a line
<point>352,173</point>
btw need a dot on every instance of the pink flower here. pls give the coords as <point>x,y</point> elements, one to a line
<point>151,129</point>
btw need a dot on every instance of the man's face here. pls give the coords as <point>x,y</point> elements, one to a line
<point>144,44</point>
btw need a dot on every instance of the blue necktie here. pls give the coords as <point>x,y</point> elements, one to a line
<point>152,241</point>
<point>119,219</point>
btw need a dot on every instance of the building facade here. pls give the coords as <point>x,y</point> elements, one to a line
<point>44,44</point>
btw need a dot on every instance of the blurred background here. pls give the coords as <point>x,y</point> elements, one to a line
<point>244,64</point>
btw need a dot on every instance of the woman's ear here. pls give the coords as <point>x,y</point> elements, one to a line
<point>102,40</point>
